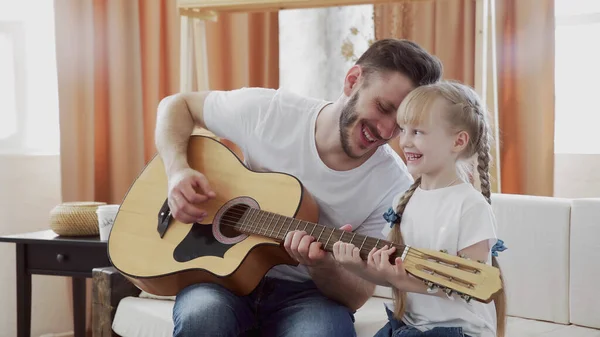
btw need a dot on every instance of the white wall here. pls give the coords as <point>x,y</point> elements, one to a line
<point>29,189</point>
<point>577,175</point>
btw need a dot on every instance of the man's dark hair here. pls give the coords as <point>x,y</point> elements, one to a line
<point>402,56</point>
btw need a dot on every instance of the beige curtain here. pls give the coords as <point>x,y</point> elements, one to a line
<point>233,51</point>
<point>525,44</point>
<point>445,28</point>
<point>115,61</point>
<point>243,50</point>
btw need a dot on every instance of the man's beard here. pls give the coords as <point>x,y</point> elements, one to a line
<point>347,119</point>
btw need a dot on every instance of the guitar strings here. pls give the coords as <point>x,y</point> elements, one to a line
<point>233,221</point>
<point>368,241</point>
<point>251,224</point>
<point>236,224</point>
<point>366,246</point>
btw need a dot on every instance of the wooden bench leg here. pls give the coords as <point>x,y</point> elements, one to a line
<point>108,288</point>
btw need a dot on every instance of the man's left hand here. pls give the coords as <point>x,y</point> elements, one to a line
<point>304,249</point>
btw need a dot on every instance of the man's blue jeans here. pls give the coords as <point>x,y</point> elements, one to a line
<point>275,308</point>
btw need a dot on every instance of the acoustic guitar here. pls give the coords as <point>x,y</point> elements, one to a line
<point>242,236</point>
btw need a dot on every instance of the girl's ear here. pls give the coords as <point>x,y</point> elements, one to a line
<point>461,141</point>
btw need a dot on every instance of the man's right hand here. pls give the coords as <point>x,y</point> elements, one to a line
<point>188,189</point>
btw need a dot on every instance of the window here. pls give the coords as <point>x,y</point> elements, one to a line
<point>325,41</point>
<point>28,84</point>
<point>11,84</point>
<point>577,74</point>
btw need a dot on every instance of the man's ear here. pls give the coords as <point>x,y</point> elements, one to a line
<point>461,141</point>
<point>353,78</point>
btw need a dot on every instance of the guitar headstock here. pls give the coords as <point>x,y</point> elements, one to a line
<point>470,279</point>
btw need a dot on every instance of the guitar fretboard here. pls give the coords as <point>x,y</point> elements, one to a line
<point>276,226</point>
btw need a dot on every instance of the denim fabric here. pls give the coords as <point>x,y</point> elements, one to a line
<point>396,328</point>
<point>275,308</point>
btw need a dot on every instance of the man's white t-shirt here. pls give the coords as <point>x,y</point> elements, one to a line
<point>450,218</point>
<point>275,130</point>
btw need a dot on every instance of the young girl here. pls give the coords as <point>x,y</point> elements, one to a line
<point>441,126</point>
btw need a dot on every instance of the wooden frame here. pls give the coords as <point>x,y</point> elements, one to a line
<point>194,13</point>
<point>229,6</point>
<point>15,32</point>
<point>486,77</point>
<point>109,287</point>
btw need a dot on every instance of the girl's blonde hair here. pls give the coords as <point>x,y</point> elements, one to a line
<point>464,112</point>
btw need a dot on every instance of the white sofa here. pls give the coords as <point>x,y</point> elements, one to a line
<point>550,269</point>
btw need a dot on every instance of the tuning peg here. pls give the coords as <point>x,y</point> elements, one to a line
<point>463,256</point>
<point>444,251</point>
<point>481,261</point>
<point>431,288</point>
<point>448,293</point>
<point>466,297</point>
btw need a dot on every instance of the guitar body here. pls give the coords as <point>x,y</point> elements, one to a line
<point>186,254</point>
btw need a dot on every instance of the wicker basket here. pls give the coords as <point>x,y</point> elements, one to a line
<point>75,218</point>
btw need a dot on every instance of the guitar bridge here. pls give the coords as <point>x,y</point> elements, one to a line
<point>164,218</point>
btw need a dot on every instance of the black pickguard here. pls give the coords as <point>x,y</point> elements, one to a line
<point>199,242</point>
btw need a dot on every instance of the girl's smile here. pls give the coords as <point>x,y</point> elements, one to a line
<point>413,157</point>
<point>431,147</point>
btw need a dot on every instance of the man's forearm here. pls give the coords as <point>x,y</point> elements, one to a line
<point>341,285</point>
<point>365,273</point>
<point>174,125</point>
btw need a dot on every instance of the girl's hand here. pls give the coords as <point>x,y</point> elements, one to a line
<point>348,256</point>
<point>379,260</point>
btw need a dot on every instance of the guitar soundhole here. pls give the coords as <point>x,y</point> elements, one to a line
<point>226,224</point>
<point>231,219</point>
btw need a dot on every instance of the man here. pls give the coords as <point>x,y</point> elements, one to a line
<point>338,150</point>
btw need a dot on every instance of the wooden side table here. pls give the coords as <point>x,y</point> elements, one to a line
<point>46,253</point>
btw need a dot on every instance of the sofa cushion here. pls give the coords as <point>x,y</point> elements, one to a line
<point>521,327</point>
<point>371,317</point>
<point>143,317</point>
<point>536,264</point>
<point>585,254</point>
<point>137,317</point>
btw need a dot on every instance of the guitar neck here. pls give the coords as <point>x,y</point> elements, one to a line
<point>275,226</point>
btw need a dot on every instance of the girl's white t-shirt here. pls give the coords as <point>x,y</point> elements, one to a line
<point>451,219</point>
